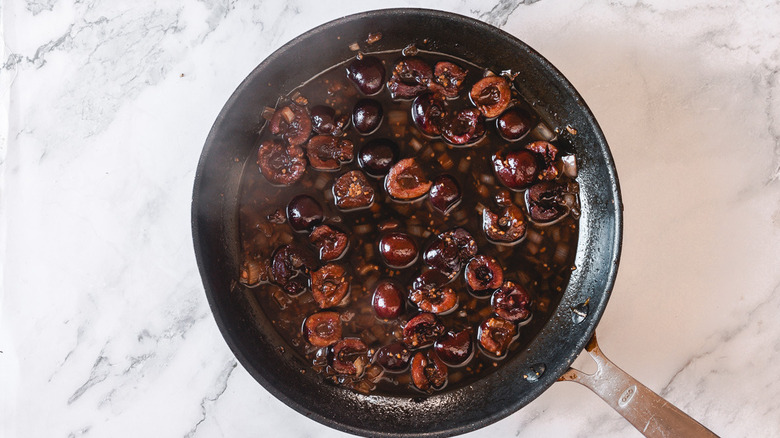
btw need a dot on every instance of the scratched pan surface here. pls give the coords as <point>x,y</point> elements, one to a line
<point>232,141</point>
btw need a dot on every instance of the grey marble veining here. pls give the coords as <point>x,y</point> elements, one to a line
<point>104,326</point>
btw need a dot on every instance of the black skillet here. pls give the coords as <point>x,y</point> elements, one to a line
<point>232,143</point>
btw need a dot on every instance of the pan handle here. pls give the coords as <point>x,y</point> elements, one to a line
<point>647,411</point>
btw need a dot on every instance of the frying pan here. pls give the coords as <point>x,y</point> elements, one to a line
<point>231,144</point>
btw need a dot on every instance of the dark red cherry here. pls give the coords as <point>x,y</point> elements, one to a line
<point>388,301</point>
<point>445,193</point>
<point>548,152</point>
<point>434,298</point>
<point>516,169</point>
<point>406,180</point>
<point>422,330</point>
<point>322,329</point>
<point>447,79</point>
<point>546,202</point>
<point>507,227</point>
<point>348,356</point>
<point>329,285</point>
<point>398,250</point>
<point>281,164</point>
<point>330,242</point>
<point>512,302</point>
<point>455,348</point>
<point>293,123</point>
<point>514,124</point>
<point>429,113</point>
<point>367,73</point>
<point>483,274</point>
<point>491,95</point>
<point>304,213</point>
<point>464,127</point>
<point>326,152</point>
<point>352,191</point>
<point>394,357</point>
<point>410,78</point>
<point>495,335</point>
<point>428,371</point>
<point>450,250</point>
<point>377,156</point>
<point>291,267</point>
<point>367,116</point>
<point>325,121</point>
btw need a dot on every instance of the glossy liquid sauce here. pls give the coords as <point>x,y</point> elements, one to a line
<point>542,262</point>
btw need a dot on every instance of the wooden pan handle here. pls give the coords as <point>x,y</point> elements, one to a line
<point>647,411</point>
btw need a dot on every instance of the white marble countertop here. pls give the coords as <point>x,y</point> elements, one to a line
<point>105,329</point>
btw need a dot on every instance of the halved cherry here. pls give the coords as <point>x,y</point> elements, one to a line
<point>512,302</point>
<point>548,152</point>
<point>430,294</point>
<point>484,274</point>
<point>330,242</point>
<point>329,285</point>
<point>507,228</point>
<point>322,329</point>
<point>450,250</point>
<point>281,164</point>
<point>293,123</point>
<point>326,152</point>
<point>445,193</point>
<point>428,371</point>
<point>463,127</point>
<point>410,78</point>
<point>406,180</point>
<point>422,330</point>
<point>348,356</point>
<point>447,79</point>
<point>353,191</point>
<point>546,202</point>
<point>291,267</point>
<point>495,335</point>
<point>491,95</point>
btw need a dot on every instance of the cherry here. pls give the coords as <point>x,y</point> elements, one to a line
<point>410,78</point>
<point>398,250</point>
<point>406,180</point>
<point>422,330</point>
<point>281,164</point>
<point>325,121</point>
<point>514,123</point>
<point>352,191</point>
<point>293,123</point>
<point>290,268</point>
<point>377,156</point>
<point>432,296</point>
<point>546,202</point>
<point>367,73</point>
<point>348,356</point>
<point>428,371</point>
<point>495,335</point>
<point>367,116</point>
<point>516,169</point>
<point>455,348</point>
<point>394,357</point>
<point>322,329</point>
<point>445,193</point>
<point>512,302</point>
<point>508,227</point>
<point>304,212</point>
<point>491,95</point>
<point>450,250</point>
<point>429,113</point>
<point>464,127</point>
<point>447,79</point>
<point>387,300</point>
<point>330,242</point>
<point>327,152</point>
<point>548,153</point>
<point>329,285</point>
<point>483,274</point>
